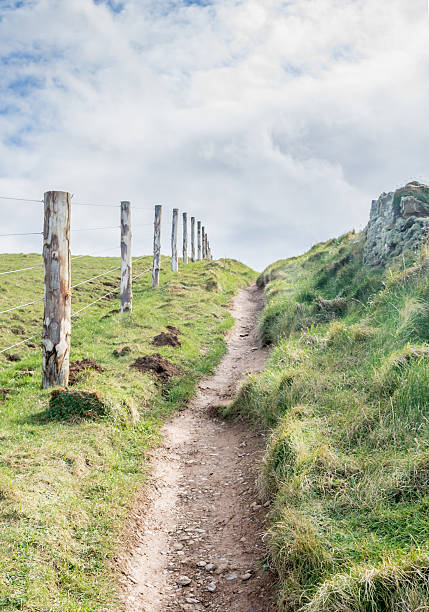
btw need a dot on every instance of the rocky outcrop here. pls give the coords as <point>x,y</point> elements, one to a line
<point>399,222</point>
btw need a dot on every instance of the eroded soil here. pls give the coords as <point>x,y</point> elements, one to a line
<point>198,534</point>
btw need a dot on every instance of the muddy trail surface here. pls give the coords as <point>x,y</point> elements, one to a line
<point>198,534</point>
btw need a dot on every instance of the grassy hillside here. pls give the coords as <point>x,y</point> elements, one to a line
<point>346,393</point>
<point>68,471</point>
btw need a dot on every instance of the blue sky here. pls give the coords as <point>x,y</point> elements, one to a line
<point>275,122</point>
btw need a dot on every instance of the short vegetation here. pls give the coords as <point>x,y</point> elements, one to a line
<point>71,461</point>
<point>346,395</point>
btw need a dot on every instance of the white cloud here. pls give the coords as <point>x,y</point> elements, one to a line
<point>275,122</point>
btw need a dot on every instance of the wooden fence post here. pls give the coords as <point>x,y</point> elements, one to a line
<point>199,239</point>
<point>126,261</point>
<point>203,242</point>
<point>174,259</point>
<point>57,312</point>
<point>156,246</point>
<point>185,238</point>
<point>192,238</point>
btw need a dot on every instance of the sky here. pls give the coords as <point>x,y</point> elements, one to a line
<point>274,122</point>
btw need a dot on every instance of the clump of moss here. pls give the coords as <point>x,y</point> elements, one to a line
<point>65,404</point>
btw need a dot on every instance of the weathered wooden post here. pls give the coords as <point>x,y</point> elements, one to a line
<point>174,259</point>
<point>203,242</point>
<point>156,246</point>
<point>199,239</point>
<point>57,312</point>
<point>185,238</point>
<point>126,261</point>
<point>192,238</point>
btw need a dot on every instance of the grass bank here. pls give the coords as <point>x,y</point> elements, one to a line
<point>69,467</point>
<point>346,395</point>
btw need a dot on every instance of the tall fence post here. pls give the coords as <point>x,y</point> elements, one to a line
<point>185,238</point>
<point>126,261</point>
<point>199,239</point>
<point>57,309</point>
<point>174,259</point>
<point>203,242</point>
<point>156,246</point>
<point>192,238</point>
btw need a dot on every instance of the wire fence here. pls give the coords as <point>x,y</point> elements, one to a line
<point>83,263</point>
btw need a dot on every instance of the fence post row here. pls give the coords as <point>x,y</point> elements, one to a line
<point>156,246</point>
<point>174,258</point>
<point>203,241</point>
<point>192,238</point>
<point>57,303</point>
<point>185,238</point>
<point>199,239</point>
<point>126,261</point>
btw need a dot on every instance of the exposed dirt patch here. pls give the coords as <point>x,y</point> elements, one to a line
<point>198,532</point>
<point>4,393</point>
<point>121,352</point>
<point>166,339</point>
<point>158,365</point>
<point>174,330</point>
<point>110,313</point>
<point>12,357</point>
<point>76,367</point>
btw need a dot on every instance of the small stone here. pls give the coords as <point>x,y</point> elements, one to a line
<point>177,546</point>
<point>211,587</point>
<point>232,576</point>
<point>246,576</point>
<point>209,567</point>
<point>201,564</point>
<point>184,581</point>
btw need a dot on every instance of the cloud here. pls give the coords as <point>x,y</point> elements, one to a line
<point>275,122</point>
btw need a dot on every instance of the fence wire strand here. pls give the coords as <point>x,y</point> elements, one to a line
<point>94,302</point>
<point>19,343</point>
<point>22,306</point>
<point>25,234</point>
<point>88,280</point>
<point>21,199</point>
<point>91,229</point>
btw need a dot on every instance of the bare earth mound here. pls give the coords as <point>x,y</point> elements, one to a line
<point>76,367</point>
<point>166,339</point>
<point>158,365</point>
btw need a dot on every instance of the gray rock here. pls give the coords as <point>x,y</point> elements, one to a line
<point>184,581</point>
<point>211,587</point>
<point>412,207</point>
<point>396,228</point>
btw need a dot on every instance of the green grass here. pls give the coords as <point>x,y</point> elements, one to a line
<point>346,395</point>
<point>69,471</point>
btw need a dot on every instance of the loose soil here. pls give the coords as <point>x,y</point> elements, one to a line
<point>198,533</point>
<point>4,393</point>
<point>158,365</point>
<point>76,367</point>
<point>166,339</point>
<point>121,352</point>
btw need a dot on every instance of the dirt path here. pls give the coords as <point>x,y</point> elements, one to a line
<point>200,531</point>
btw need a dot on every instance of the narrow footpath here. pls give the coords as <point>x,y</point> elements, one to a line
<point>199,530</point>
